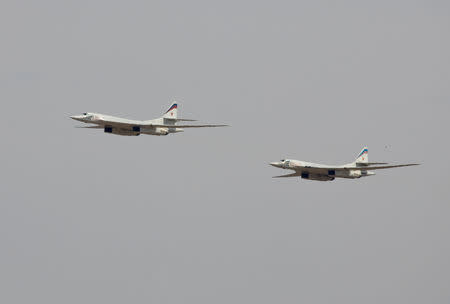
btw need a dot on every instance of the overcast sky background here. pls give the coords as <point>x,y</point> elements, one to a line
<point>196,217</point>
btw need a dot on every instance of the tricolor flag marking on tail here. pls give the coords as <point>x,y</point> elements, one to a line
<point>363,156</point>
<point>174,106</point>
<point>364,151</point>
<point>172,112</point>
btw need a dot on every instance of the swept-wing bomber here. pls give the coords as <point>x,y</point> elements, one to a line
<point>361,167</point>
<point>163,125</point>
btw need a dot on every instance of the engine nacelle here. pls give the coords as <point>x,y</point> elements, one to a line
<point>161,131</point>
<point>123,132</point>
<point>155,131</point>
<point>319,177</point>
<point>355,174</point>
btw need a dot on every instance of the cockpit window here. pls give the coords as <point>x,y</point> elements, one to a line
<point>282,160</point>
<point>84,113</point>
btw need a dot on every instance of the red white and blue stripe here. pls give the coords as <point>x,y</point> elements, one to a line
<point>174,106</point>
<point>364,151</point>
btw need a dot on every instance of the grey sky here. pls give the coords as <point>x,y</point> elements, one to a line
<point>195,217</point>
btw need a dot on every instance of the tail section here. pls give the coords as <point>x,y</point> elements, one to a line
<point>172,112</point>
<point>363,157</point>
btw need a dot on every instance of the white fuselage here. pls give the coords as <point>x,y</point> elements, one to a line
<point>115,125</point>
<point>361,167</point>
<point>322,172</point>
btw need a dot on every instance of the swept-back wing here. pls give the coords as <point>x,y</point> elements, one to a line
<point>325,170</point>
<point>376,168</point>
<point>185,126</point>
<point>123,123</point>
<point>130,125</point>
<point>289,175</point>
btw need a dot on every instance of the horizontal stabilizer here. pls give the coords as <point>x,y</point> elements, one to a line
<point>362,165</point>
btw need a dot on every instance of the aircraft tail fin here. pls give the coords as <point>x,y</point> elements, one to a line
<point>363,157</point>
<point>172,112</point>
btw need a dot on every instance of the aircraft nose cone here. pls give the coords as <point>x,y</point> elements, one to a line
<point>76,117</point>
<point>275,164</point>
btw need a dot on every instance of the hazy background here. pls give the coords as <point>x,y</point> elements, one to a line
<point>88,217</point>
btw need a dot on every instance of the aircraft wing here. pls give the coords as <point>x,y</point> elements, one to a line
<point>377,167</point>
<point>118,124</point>
<point>365,168</point>
<point>297,173</point>
<point>185,126</point>
<point>131,124</point>
<point>324,170</point>
<point>90,127</point>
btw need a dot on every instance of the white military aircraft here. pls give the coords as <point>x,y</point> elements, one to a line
<point>164,125</point>
<point>359,168</point>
